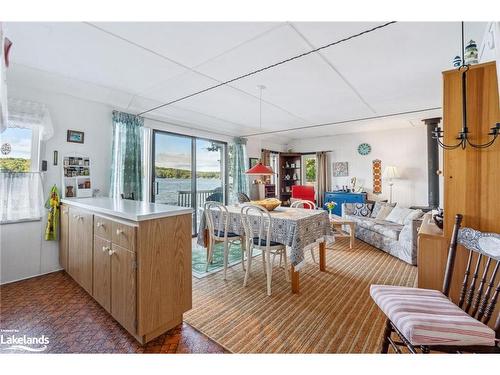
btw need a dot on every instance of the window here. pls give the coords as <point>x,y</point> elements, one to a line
<point>310,168</point>
<point>20,183</point>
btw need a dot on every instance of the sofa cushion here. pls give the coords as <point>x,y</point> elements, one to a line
<point>398,214</point>
<point>428,317</point>
<point>415,214</point>
<point>382,227</point>
<point>362,209</point>
<point>384,212</point>
<point>378,205</point>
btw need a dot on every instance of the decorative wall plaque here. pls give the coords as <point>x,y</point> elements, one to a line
<point>377,176</point>
<point>340,169</point>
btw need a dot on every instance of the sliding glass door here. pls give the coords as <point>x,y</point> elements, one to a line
<point>188,171</point>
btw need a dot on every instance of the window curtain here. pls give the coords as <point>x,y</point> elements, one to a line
<point>322,176</point>
<point>127,155</point>
<point>21,196</point>
<point>28,114</point>
<point>240,166</point>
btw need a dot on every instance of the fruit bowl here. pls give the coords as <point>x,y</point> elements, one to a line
<point>269,203</point>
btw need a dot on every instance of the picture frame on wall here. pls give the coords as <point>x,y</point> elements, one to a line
<point>340,169</point>
<point>75,136</point>
<point>252,162</point>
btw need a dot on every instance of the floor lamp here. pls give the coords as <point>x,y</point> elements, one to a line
<point>390,173</point>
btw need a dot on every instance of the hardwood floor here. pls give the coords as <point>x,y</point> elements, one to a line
<point>55,306</point>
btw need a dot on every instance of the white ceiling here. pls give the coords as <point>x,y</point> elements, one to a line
<point>136,66</point>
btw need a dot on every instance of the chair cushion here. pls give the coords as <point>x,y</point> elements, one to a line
<point>428,317</point>
<point>263,242</point>
<point>221,234</point>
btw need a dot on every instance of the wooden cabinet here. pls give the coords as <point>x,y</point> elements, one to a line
<point>139,271</point>
<point>80,247</point>
<point>123,287</point>
<point>63,237</point>
<point>102,272</point>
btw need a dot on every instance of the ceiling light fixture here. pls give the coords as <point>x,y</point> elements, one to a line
<point>463,135</point>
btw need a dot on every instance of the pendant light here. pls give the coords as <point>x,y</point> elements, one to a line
<point>463,135</point>
<point>260,169</point>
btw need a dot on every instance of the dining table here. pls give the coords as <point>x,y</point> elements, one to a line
<point>298,228</point>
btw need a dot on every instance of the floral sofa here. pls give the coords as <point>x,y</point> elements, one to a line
<point>399,240</point>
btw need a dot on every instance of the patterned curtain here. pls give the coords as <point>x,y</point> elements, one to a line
<point>322,176</point>
<point>240,166</point>
<point>126,164</point>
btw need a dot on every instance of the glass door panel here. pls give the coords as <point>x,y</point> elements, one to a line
<point>172,175</point>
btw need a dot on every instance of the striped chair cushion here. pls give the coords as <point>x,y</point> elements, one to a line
<point>428,317</point>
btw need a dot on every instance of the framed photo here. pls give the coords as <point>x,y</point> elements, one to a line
<point>340,169</point>
<point>252,162</point>
<point>75,136</point>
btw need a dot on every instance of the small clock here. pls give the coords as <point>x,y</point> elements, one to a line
<point>364,149</point>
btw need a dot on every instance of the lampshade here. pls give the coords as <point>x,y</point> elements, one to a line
<point>391,172</point>
<point>259,170</point>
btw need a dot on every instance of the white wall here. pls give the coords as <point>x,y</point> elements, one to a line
<point>24,252</point>
<point>405,148</point>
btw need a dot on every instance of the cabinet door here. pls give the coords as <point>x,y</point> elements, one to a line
<point>80,247</point>
<point>123,287</point>
<point>63,238</point>
<point>102,272</point>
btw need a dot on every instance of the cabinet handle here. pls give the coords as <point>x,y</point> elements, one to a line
<point>111,252</point>
<point>105,248</point>
<point>99,224</point>
<point>119,231</point>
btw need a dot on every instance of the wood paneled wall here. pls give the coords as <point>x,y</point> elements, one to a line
<point>472,176</point>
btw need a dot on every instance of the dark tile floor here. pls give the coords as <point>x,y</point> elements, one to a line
<point>55,306</point>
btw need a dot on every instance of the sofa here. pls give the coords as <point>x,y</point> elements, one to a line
<point>398,237</point>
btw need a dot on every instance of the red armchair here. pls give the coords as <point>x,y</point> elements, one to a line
<point>304,192</point>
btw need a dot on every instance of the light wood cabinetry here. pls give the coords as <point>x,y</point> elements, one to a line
<point>64,237</point>
<point>102,272</point>
<point>471,176</point>
<point>432,254</point>
<point>80,247</point>
<point>123,287</point>
<point>140,272</point>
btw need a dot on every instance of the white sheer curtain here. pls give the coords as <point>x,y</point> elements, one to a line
<point>28,114</point>
<point>21,197</point>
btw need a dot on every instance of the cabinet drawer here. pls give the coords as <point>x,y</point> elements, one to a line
<point>102,227</point>
<point>123,235</point>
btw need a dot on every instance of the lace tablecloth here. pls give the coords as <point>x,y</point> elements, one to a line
<point>297,228</point>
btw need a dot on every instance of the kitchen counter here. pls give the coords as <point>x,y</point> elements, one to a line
<point>127,209</point>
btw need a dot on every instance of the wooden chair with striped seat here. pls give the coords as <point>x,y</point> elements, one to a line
<point>426,320</point>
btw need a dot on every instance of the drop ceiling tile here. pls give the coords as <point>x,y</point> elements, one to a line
<point>189,43</point>
<point>76,50</point>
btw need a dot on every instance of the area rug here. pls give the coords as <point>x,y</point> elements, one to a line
<point>332,314</point>
<point>199,259</point>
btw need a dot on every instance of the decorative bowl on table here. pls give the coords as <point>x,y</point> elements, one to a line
<point>268,203</point>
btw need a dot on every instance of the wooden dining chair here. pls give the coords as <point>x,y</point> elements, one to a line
<point>302,203</point>
<point>257,220</point>
<point>217,219</point>
<point>427,320</point>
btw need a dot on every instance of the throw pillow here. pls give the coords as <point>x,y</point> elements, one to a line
<point>384,211</point>
<point>398,215</point>
<point>415,214</point>
<point>362,209</point>
<point>377,206</point>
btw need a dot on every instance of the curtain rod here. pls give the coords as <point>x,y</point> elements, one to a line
<point>268,67</point>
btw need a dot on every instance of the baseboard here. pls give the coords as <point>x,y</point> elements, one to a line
<point>30,277</point>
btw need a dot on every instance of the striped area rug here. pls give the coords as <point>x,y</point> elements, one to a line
<point>332,314</point>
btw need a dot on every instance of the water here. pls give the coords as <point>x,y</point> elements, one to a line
<point>169,187</point>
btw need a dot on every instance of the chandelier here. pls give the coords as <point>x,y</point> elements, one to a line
<point>463,135</point>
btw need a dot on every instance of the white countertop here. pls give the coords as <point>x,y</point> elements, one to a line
<point>127,209</point>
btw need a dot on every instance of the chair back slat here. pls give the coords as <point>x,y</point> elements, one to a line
<point>303,204</point>
<point>484,301</point>
<point>256,220</point>
<point>472,286</point>
<point>477,301</point>
<point>484,249</point>
<point>465,281</point>
<point>217,218</point>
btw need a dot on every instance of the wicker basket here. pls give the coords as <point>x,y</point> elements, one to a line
<point>269,203</point>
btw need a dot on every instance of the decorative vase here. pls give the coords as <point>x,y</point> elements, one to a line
<point>471,54</point>
<point>457,61</point>
<point>330,214</point>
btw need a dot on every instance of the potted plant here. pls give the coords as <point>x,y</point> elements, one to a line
<point>330,206</point>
